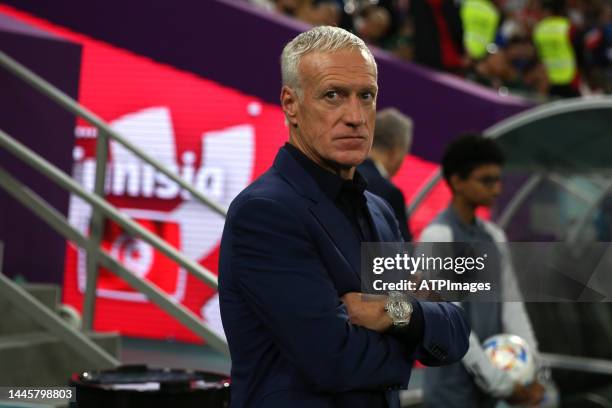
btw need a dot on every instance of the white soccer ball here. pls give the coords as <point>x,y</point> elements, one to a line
<point>512,354</point>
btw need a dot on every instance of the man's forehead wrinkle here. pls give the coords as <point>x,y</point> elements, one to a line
<point>320,67</point>
<point>339,82</point>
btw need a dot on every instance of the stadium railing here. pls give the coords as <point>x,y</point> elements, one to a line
<point>102,210</point>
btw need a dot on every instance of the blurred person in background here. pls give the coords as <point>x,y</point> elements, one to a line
<point>392,140</point>
<point>605,49</point>
<point>472,168</point>
<point>500,49</point>
<point>530,74</point>
<point>553,37</point>
<point>401,42</point>
<point>595,39</point>
<point>321,12</point>
<point>329,13</point>
<point>438,35</point>
<point>315,12</point>
<point>480,19</point>
<point>471,38</point>
<point>494,70</point>
<point>515,41</point>
<point>372,24</point>
<point>514,65</point>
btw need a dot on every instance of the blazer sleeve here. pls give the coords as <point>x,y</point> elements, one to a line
<point>282,278</point>
<point>446,334</point>
<point>444,326</point>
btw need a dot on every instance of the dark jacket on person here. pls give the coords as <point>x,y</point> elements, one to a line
<point>288,254</point>
<point>429,43</point>
<point>384,188</point>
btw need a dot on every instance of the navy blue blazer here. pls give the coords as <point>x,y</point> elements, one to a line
<point>384,188</point>
<point>287,256</point>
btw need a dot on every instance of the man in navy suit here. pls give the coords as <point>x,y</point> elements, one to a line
<point>300,334</point>
<point>392,139</point>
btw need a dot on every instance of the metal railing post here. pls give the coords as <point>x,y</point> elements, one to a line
<point>519,198</point>
<point>63,180</point>
<point>72,106</point>
<point>60,224</point>
<point>96,231</point>
<point>424,192</point>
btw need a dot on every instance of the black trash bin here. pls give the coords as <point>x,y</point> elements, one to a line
<point>140,386</point>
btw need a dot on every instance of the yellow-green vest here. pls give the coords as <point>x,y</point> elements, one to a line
<point>552,39</point>
<point>480,19</point>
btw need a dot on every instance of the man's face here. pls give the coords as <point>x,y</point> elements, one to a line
<point>333,120</point>
<point>481,187</point>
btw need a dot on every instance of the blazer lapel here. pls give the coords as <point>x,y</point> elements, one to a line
<point>340,232</point>
<point>329,216</point>
<point>378,221</point>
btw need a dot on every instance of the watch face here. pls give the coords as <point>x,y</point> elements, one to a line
<point>400,310</point>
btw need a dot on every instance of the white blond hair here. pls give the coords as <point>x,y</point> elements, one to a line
<point>317,39</point>
<point>393,130</point>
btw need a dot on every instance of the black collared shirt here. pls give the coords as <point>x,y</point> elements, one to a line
<point>347,195</point>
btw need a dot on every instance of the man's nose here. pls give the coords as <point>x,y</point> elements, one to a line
<point>354,115</point>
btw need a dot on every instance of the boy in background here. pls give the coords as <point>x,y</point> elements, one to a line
<point>472,167</point>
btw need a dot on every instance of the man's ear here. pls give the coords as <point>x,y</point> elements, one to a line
<point>455,182</point>
<point>289,104</point>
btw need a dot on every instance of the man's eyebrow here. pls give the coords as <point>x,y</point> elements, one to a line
<point>331,85</point>
<point>344,88</point>
<point>370,88</point>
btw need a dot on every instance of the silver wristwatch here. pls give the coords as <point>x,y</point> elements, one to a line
<point>399,308</point>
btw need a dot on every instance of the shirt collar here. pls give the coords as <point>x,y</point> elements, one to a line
<point>331,184</point>
<point>471,229</point>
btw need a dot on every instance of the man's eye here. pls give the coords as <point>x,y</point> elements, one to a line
<point>367,96</point>
<point>331,94</point>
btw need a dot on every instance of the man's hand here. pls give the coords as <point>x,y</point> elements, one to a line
<point>528,395</point>
<point>367,311</point>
